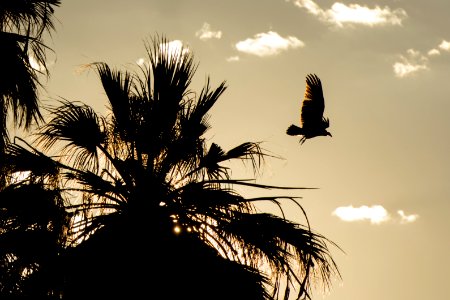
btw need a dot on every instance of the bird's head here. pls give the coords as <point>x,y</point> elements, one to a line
<point>323,132</point>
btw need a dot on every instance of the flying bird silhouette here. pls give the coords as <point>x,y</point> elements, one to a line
<point>312,120</point>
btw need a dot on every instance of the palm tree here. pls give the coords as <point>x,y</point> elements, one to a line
<point>22,27</point>
<point>154,207</point>
<point>33,221</point>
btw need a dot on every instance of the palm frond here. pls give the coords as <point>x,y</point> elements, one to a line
<point>19,85</point>
<point>23,15</point>
<point>168,78</point>
<point>248,151</point>
<point>283,245</point>
<point>210,162</point>
<point>79,127</point>
<point>118,87</point>
<point>105,192</point>
<point>198,110</point>
<point>21,160</point>
<point>28,204</point>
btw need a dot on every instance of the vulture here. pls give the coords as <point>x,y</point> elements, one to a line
<point>312,121</point>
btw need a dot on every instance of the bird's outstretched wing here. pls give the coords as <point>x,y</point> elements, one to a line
<point>313,105</point>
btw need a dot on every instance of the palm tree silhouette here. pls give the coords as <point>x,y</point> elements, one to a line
<point>154,208</point>
<point>22,26</point>
<point>33,222</point>
<point>311,115</point>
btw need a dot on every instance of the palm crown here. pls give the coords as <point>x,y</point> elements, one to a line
<point>145,189</point>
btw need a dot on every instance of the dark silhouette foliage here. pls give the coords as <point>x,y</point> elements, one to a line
<point>138,203</point>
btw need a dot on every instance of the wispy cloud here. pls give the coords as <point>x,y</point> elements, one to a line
<point>414,61</point>
<point>411,63</point>
<point>268,44</point>
<point>206,33</point>
<point>341,14</point>
<point>375,214</point>
<point>407,218</point>
<point>233,58</point>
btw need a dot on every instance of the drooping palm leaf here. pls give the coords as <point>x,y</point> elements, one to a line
<point>68,121</point>
<point>18,87</point>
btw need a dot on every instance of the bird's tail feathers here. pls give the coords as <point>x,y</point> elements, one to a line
<point>294,130</point>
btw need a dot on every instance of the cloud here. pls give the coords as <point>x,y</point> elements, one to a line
<point>434,52</point>
<point>205,33</point>
<point>140,61</point>
<point>174,48</point>
<point>444,45</point>
<point>36,64</point>
<point>413,62</point>
<point>341,14</point>
<point>233,58</point>
<point>268,44</point>
<point>407,218</point>
<point>376,214</point>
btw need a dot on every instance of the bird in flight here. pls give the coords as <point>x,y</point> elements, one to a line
<point>312,121</point>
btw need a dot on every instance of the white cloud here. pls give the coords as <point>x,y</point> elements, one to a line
<point>444,45</point>
<point>140,61</point>
<point>434,52</point>
<point>174,48</point>
<point>376,214</point>
<point>205,33</point>
<point>406,69</point>
<point>413,62</point>
<point>407,218</point>
<point>268,44</point>
<point>341,14</point>
<point>233,58</point>
<point>35,64</point>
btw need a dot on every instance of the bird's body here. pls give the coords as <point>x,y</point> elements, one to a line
<point>311,115</point>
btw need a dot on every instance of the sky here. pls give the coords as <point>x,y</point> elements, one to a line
<point>382,180</point>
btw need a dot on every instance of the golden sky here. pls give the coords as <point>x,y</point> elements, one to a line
<point>383,179</point>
